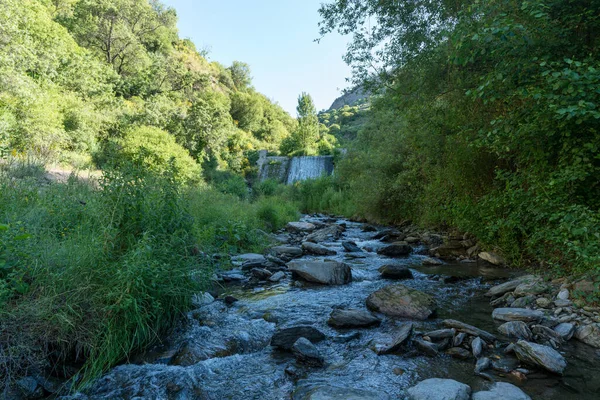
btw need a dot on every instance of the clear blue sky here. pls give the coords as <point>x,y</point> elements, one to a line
<point>276,38</point>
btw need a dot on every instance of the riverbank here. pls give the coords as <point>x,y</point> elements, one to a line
<point>378,315</point>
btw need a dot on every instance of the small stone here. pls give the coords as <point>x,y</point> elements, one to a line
<point>482,364</point>
<point>307,353</point>
<point>427,348</point>
<point>441,334</point>
<point>277,276</point>
<point>351,318</point>
<point>563,295</point>
<point>459,339</point>
<point>351,247</point>
<point>459,352</point>
<point>543,302</point>
<point>477,347</point>
<point>517,314</point>
<point>261,274</point>
<point>562,303</point>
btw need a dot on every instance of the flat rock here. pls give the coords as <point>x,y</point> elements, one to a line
<point>395,272</point>
<point>286,337</point>
<point>589,335</point>
<point>288,251</point>
<point>533,287</point>
<point>469,329</point>
<point>322,272</point>
<point>307,353</point>
<point>248,258</point>
<point>516,330</point>
<point>299,227</point>
<point>426,347</point>
<point>492,258</point>
<point>517,314</point>
<point>501,391</point>
<point>352,318</point>
<point>351,247</point>
<point>395,250</point>
<point>565,330</point>
<point>506,287</point>
<point>397,339</point>
<point>402,301</point>
<point>441,334</point>
<point>330,233</point>
<point>539,355</point>
<point>430,261</point>
<point>317,249</point>
<point>439,389</point>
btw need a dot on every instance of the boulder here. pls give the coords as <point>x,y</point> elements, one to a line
<point>469,329</point>
<point>395,272</point>
<point>351,318</point>
<point>449,250</point>
<point>426,347</point>
<point>287,251</point>
<point>248,258</point>
<point>300,227</point>
<point>307,353</point>
<point>539,355</point>
<point>492,258</point>
<point>285,338</point>
<point>501,391</point>
<point>351,247</point>
<point>565,330</point>
<point>506,287</point>
<point>523,302</point>
<point>533,287</point>
<point>389,235</point>
<point>330,233</point>
<point>589,334</point>
<point>317,249</point>
<point>395,341</point>
<point>517,314</point>
<point>261,274</point>
<point>402,301</point>
<point>430,261</point>
<point>439,389</point>
<point>516,330</point>
<point>322,272</point>
<point>399,249</point>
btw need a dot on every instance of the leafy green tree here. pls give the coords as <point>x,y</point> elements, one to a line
<point>240,74</point>
<point>247,110</point>
<point>306,134</point>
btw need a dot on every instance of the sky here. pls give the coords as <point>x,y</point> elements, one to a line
<point>276,38</point>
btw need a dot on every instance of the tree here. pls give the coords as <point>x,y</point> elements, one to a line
<point>306,134</point>
<point>240,73</point>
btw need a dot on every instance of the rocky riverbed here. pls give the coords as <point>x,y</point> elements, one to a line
<point>342,310</point>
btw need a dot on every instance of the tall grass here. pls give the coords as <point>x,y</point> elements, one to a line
<point>89,275</point>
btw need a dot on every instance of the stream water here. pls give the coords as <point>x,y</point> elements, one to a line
<point>223,351</point>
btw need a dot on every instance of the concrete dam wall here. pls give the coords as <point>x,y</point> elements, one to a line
<point>290,170</point>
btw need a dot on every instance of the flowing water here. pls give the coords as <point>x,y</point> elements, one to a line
<point>303,168</point>
<point>223,351</point>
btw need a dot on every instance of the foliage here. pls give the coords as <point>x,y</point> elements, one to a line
<point>303,139</point>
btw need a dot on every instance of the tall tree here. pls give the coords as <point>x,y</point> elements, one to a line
<point>307,133</point>
<point>240,73</point>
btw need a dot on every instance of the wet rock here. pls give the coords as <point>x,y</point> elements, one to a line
<point>322,272</point>
<point>261,274</point>
<point>351,247</point>
<point>459,352</point>
<point>286,337</point>
<point>307,353</point>
<point>29,388</point>
<point>459,339</point>
<point>202,299</point>
<point>506,287</point>
<point>565,330</point>
<point>230,300</point>
<point>492,258</point>
<point>369,228</point>
<point>352,319</point>
<point>429,261</point>
<point>439,389</point>
<point>277,276</point>
<point>544,334</point>
<point>441,334</point>
<point>501,391</point>
<point>469,329</point>
<point>516,330</point>
<point>300,227</point>
<point>426,348</point>
<point>517,314</point>
<point>451,249</point>
<point>336,393</point>
<point>317,249</point>
<point>233,276</point>
<point>539,355</point>
<point>482,364</point>
<point>395,250</point>
<point>533,287</point>
<point>589,335</point>
<point>402,301</point>
<point>248,258</point>
<point>389,235</point>
<point>394,342</point>
<point>505,365</point>
<point>287,251</point>
<point>477,347</point>
<point>395,272</point>
<point>330,233</point>
<point>346,338</point>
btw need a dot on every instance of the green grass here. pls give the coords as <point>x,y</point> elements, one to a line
<point>89,275</point>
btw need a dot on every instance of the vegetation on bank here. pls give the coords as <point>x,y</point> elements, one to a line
<point>486,120</point>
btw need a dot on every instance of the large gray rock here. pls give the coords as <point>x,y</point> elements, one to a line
<point>395,272</point>
<point>317,249</point>
<point>492,258</point>
<point>288,251</point>
<point>322,272</point>
<point>589,335</point>
<point>394,342</point>
<point>539,355</point>
<point>330,233</point>
<point>352,319</point>
<point>517,314</point>
<point>351,247</point>
<point>565,330</point>
<point>299,227</point>
<point>402,301</point>
<point>307,353</point>
<point>533,287</point>
<point>506,287</point>
<point>501,391</point>
<point>468,329</point>
<point>439,389</point>
<point>516,330</point>
<point>248,258</point>
<point>286,337</point>
<point>395,250</point>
